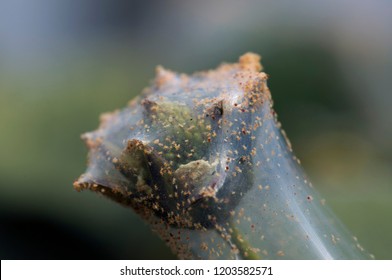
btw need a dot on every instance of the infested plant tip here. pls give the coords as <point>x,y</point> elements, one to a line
<point>189,155</point>
<point>163,76</point>
<point>251,61</point>
<point>77,186</point>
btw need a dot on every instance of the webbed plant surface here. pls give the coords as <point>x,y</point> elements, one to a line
<point>203,159</point>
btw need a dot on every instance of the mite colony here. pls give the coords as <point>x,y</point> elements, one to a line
<point>182,155</point>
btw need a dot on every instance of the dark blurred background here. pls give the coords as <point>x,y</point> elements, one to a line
<point>64,62</point>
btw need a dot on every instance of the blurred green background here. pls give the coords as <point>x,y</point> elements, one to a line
<point>64,62</point>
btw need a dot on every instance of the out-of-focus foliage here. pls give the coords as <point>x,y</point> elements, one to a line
<point>62,63</point>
